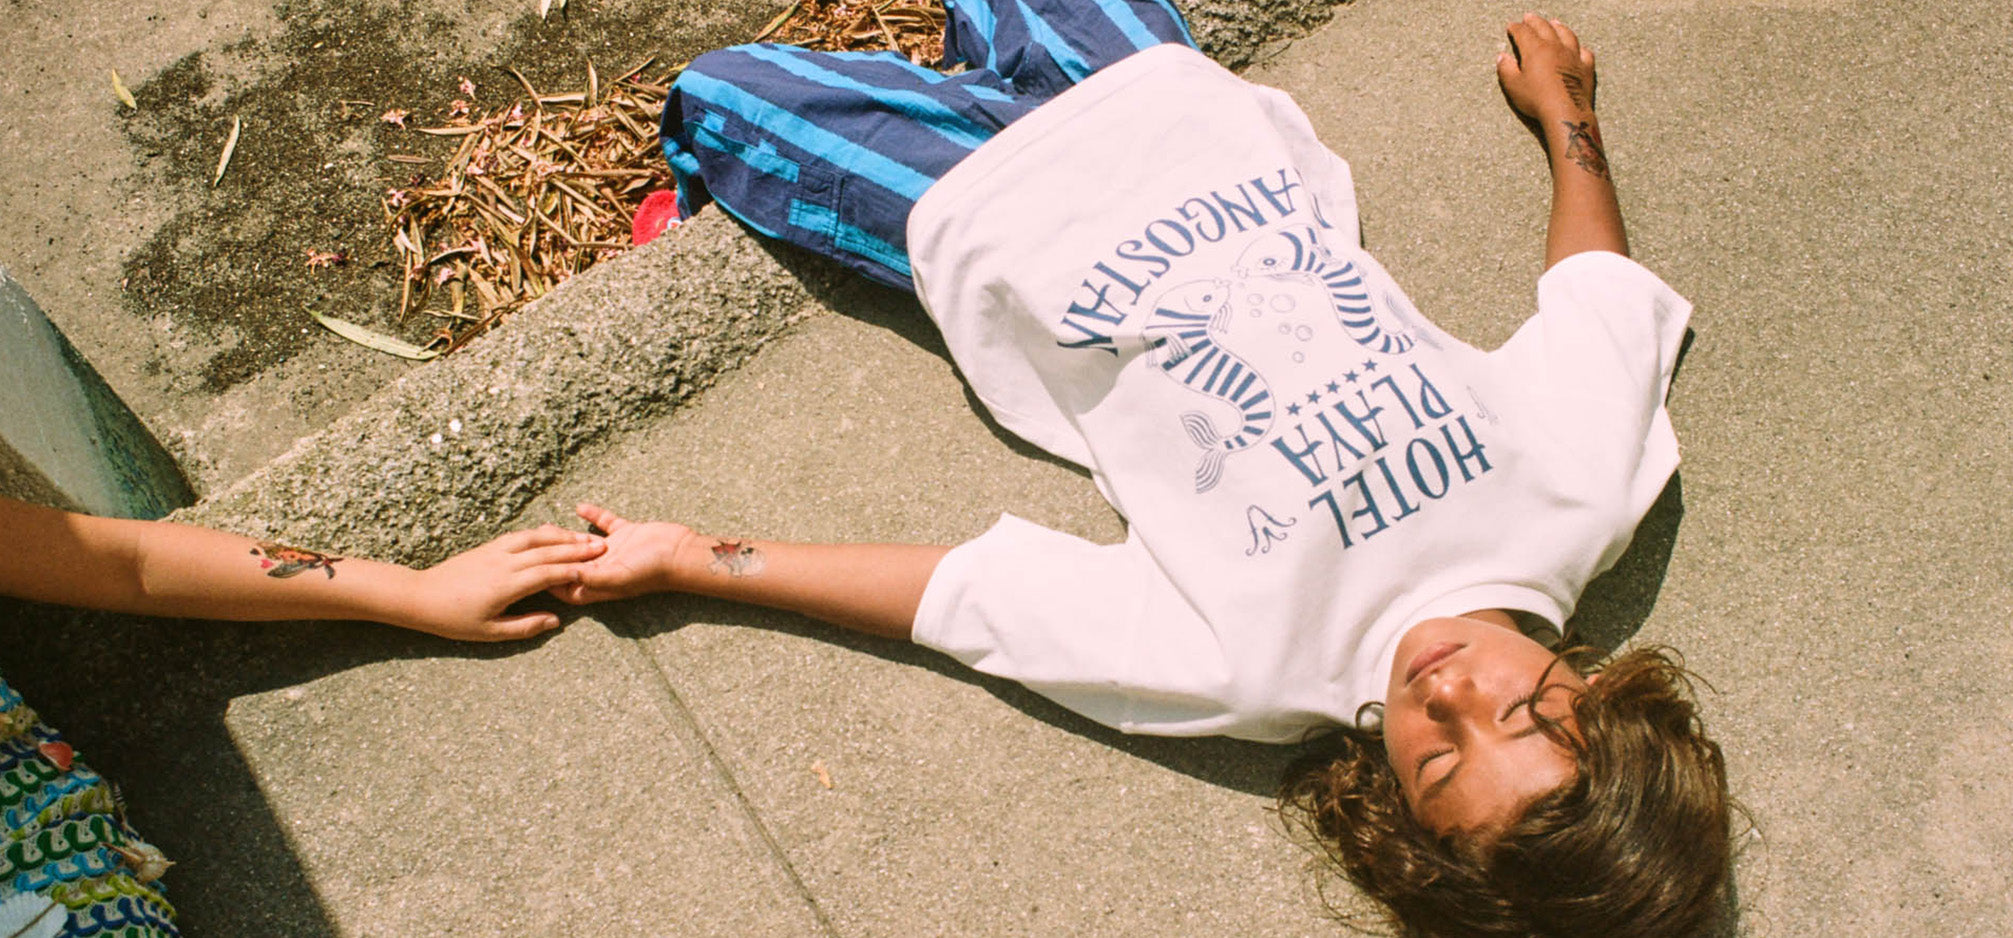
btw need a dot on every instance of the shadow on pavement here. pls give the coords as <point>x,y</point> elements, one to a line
<point>144,701</point>
<point>1251,768</point>
<point>1617,603</point>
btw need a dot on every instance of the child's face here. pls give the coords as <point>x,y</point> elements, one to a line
<point>1468,755</point>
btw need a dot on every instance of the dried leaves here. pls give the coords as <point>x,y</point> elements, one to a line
<point>530,197</point>
<point>537,193</point>
<point>913,27</point>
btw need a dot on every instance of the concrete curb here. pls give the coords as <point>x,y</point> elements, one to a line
<point>438,460</point>
<point>1238,33</point>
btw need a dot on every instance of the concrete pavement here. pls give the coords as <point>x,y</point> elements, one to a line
<point>1827,183</point>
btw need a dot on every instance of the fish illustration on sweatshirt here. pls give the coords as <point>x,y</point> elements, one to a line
<point>1297,254</point>
<point>1234,340</point>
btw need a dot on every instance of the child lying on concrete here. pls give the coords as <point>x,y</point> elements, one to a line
<point>69,863</point>
<point>1152,269</point>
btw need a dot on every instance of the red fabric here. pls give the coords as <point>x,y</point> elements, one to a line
<point>658,213</point>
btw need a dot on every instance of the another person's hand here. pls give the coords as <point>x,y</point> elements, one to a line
<point>1547,75</point>
<point>638,559</point>
<point>467,596</point>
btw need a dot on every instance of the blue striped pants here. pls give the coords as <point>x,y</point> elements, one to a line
<point>830,150</point>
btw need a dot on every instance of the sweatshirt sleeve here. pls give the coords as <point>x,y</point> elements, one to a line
<point>1594,366</point>
<point>1617,314</point>
<point>1096,628</point>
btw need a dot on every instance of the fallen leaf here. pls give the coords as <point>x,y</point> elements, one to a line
<point>824,777</point>
<point>395,117</point>
<point>319,260</point>
<point>467,87</point>
<point>777,23</point>
<point>230,147</point>
<point>374,340</point>
<point>119,88</point>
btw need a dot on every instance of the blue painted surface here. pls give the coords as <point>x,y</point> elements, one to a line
<point>65,437</point>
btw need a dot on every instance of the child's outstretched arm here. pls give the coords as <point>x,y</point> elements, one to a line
<point>1549,78</point>
<point>158,568</point>
<point>873,588</point>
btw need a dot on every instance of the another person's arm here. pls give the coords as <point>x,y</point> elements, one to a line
<point>158,568</point>
<point>1549,79</point>
<point>873,588</point>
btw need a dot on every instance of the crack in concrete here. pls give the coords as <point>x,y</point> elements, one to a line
<point>723,775</point>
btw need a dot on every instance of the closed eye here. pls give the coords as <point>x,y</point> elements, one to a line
<point>1419,769</point>
<point>1528,700</point>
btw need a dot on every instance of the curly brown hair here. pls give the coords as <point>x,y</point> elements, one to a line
<point>1637,845</point>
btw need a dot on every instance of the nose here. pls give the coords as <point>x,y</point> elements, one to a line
<point>1449,694</point>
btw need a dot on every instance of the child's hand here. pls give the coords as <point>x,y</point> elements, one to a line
<point>1548,76</point>
<point>638,560</point>
<point>465,596</point>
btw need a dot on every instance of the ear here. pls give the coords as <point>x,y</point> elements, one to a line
<point>1594,678</point>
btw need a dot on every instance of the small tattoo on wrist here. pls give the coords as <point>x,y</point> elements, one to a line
<point>736,558</point>
<point>1576,89</point>
<point>1583,147</point>
<point>280,561</point>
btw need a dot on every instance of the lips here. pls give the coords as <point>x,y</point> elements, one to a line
<point>1433,655</point>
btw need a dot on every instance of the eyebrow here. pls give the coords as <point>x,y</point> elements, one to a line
<point>1440,785</point>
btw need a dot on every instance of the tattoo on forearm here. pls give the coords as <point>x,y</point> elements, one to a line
<point>736,558</point>
<point>280,561</point>
<point>1583,146</point>
<point>1576,89</point>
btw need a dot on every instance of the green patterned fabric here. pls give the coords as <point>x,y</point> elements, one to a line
<point>64,837</point>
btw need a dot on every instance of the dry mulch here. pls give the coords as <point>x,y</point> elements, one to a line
<point>548,187</point>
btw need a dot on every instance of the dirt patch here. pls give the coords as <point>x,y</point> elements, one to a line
<point>231,268</point>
